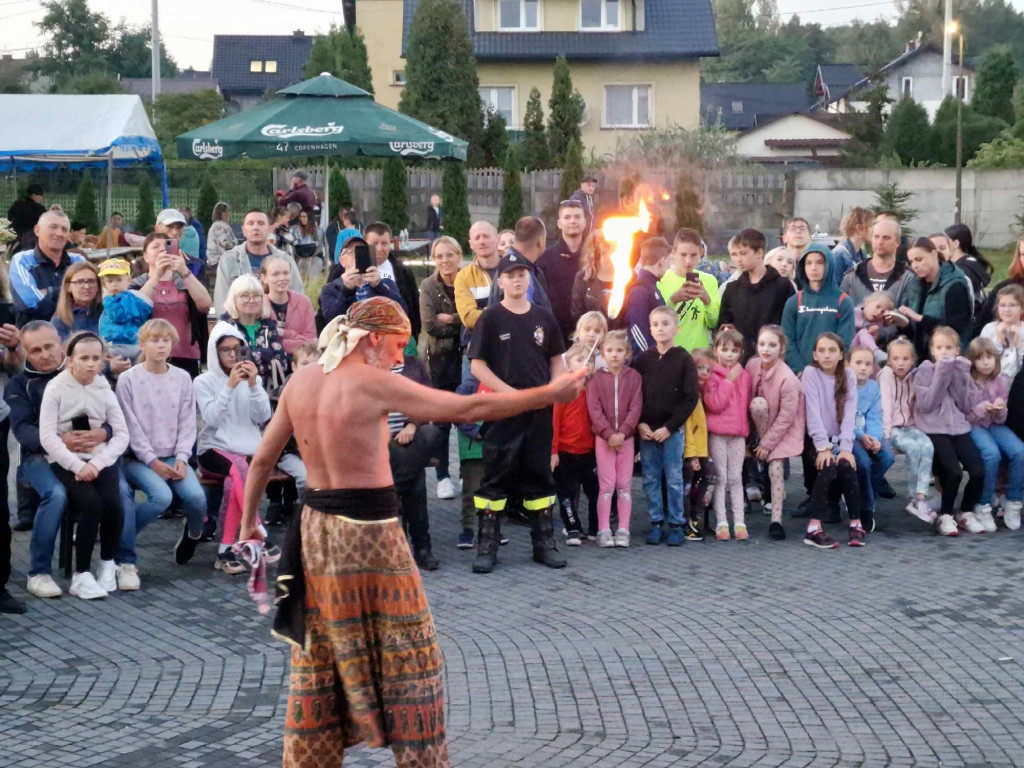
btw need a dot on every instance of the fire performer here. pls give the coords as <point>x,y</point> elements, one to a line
<point>366,665</point>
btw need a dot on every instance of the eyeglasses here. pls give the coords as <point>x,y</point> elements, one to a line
<point>82,283</point>
<point>230,351</point>
<point>250,297</point>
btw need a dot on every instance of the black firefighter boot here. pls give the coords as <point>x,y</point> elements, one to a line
<point>545,551</point>
<point>487,541</point>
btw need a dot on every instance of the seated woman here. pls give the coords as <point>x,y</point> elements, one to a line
<point>79,398</point>
<point>80,304</point>
<point>309,246</point>
<point>160,408</point>
<point>296,321</point>
<point>246,310</point>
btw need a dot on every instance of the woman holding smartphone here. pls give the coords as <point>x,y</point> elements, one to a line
<point>247,310</point>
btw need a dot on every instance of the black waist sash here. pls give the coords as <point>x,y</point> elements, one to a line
<point>363,504</point>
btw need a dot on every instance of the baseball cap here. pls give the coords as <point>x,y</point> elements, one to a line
<point>115,267</point>
<point>171,216</point>
<point>353,240</point>
<point>512,262</point>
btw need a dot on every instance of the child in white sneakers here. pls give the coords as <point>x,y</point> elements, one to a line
<point>990,391</point>
<point>942,402</point>
<point>896,382</point>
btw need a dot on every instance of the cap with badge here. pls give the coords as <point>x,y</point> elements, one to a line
<point>115,267</point>
<point>513,262</point>
<point>170,216</point>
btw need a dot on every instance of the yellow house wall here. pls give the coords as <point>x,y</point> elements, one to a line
<point>380,21</point>
<point>553,15</point>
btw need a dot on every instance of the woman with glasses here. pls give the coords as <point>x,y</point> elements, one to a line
<point>247,310</point>
<point>80,304</point>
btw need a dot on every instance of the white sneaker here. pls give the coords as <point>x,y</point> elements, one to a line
<point>83,585</point>
<point>445,489</point>
<point>622,538</point>
<point>919,508</point>
<point>106,577</point>
<point>604,539</point>
<point>574,539</point>
<point>43,585</point>
<point>128,578</point>
<point>968,522</point>
<point>947,526</point>
<point>983,514</point>
<point>1011,514</point>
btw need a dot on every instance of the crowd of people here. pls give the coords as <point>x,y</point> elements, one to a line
<point>713,379</point>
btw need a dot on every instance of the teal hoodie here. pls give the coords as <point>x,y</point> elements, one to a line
<point>810,313</point>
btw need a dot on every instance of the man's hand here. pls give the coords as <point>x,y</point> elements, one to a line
<point>823,459</point>
<point>761,453</point>
<point>352,278</point>
<point>372,276</point>
<point>661,434</point>
<point>554,461</point>
<point>406,434</point>
<point>251,531</point>
<point>72,441</point>
<point>615,441</point>
<point>568,385</point>
<point>89,439</point>
<point>87,473</point>
<point>644,431</point>
<point>163,471</point>
<point>9,336</point>
<point>444,317</point>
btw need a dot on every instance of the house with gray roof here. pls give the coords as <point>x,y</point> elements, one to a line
<point>248,67</point>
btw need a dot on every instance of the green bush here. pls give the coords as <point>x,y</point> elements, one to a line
<point>146,217</point>
<point>394,195</point>
<point>85,205</point>
<point>455,197</point>
<point>512,193</point>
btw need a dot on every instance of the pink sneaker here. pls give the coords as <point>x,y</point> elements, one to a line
<point>919,508</point>
<point>740,532</point>
<point>722,533</point>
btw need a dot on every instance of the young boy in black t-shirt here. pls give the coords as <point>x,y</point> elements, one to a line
<point>516,345</point>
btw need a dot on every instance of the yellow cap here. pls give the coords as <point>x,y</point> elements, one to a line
<point>115,267</point>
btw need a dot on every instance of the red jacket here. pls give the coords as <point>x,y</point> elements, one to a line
<point>572,427</point>
<point>615,402</point>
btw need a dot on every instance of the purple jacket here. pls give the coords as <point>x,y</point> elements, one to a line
<point>941,397</point>
<point>820,398</point>
<point>614,402</point>
<point>982,394</point>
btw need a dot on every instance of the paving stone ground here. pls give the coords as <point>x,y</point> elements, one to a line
<point>905,653</point>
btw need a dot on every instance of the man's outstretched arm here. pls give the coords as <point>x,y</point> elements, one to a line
<point>275,436</point>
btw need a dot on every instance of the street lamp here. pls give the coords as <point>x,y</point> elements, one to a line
<point>955,29</point>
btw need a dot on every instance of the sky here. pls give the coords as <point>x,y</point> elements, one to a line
<point>188,26</point>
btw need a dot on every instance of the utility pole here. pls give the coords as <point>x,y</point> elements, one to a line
<point>155,45</point>
<point>947,50</point>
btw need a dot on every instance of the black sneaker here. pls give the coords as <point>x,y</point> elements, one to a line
<point>803,508</point>
<point>425,559</point>
<point>857,536</point>
<point>867,521</point>
<point>693,533</point>
<point>186,546</point>
<point>885,491</point>
<point>820,540</point>
<point>9,603</point>
<point>776,531</point>
<point>275,513</point>
<point>209,531</point>
<point>466,539</point>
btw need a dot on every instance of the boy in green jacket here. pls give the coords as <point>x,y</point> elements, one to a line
<point>692,294</point>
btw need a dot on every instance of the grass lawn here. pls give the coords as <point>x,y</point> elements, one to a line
<point>1001,259</point>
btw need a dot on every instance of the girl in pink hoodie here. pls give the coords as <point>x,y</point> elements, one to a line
<point>726,395</point>
<point>777,410</point>
<point>614,401</point>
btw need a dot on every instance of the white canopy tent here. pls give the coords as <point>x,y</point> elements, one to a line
<point>102,131</point>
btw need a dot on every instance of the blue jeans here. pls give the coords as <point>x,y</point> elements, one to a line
<point>871,469</point>
<point>664,457</point>
<point>994,444</point>
<point>158,498</point>
<point>35,471</point>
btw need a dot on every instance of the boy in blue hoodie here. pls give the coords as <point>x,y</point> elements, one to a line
<point>872,451</point>
<point>817,307</point>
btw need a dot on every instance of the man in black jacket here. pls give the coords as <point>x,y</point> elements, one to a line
<point>378,235</point>
<point>24,215</point>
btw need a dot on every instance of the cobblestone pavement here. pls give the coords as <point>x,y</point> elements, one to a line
<point>762,653</point>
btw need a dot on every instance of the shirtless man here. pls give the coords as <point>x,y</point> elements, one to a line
<point>366,665</point>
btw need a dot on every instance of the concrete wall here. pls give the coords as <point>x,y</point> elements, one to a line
<point>991,198</point>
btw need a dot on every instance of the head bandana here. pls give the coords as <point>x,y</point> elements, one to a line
<point>377,314</point>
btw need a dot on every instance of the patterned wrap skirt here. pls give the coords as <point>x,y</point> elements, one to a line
<point>371,671</point>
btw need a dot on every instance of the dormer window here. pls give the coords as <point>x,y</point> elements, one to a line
<point>255,66</point>
<point>599,14</point>
<point>518,14</point>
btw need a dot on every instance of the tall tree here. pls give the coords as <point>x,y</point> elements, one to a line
<point>85,204</point>
<point>91,83</point>
<point>394,195</point>
<point>340,193</point>
<point>145,218</point>
<point>977,130</point>
<point>993,87</point>
<point>76,38</point>
<point>456,203</point>
<point>535,140</point>
<point>572,172</point>
<point>442,87</point>
<point>688,211</point>
<point>342,54</point>
<point>512,192</point>
<point>495,139</point>
<point>908,123</point>
<point>176,113</point>
<point>565,111</point>
<point>131,54</point>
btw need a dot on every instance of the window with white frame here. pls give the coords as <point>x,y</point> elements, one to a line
<point>599,14</point>
<point>502,99</point>
<point>398,77</point>
<point>627,106</point>
<point>270,66</point>
<point>961,87</point>
<point>255,66</point>
<point>907,88</point>
<point>518,14</point>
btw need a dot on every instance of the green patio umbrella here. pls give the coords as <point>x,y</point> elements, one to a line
<point>322,116</point>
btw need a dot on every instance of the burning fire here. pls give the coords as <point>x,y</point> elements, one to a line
<point>618,232</point>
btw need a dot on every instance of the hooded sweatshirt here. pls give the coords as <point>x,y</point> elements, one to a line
<point>941,397</point>
<point>64,399</point>
<point>996,388</point>
<point>615,402</point>
<point>810,312</point>
<point>857,284</point>
<point>748,306</point>
<point>823,425</point>
<point>787,415</point>
<point>897,400</point>
<point>231,417</point>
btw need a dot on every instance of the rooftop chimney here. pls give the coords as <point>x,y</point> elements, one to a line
<point>298,33</point>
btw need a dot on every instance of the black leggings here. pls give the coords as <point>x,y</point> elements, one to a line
<point>575,471</point>
<point>839,474</point>
<point>97,505</point>
<point>953,455</point>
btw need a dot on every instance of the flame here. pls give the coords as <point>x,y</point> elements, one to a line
<point>618,232</point>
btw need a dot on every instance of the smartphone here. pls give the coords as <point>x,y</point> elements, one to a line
<point>6,313</point>
<point>363,261</point>
<point>692,277</point>
<point>245,355</point>
<point>80,423</point>
<point>171,246</point>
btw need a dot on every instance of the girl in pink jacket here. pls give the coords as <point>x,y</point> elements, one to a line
<point>726,396</point>
<point>777,411</point>
<point>614,400</point>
